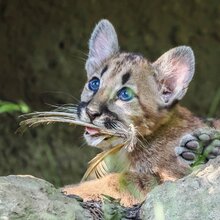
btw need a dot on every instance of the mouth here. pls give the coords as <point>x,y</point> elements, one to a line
<point>95,132</point>
<point>92,131</point>
<point>95,136</point>
<point>37,118</point>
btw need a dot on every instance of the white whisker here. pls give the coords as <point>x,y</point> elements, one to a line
<point>48,117</point>
<point>68,114</point>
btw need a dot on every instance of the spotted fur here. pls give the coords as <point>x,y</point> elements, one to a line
<point>158,121</point>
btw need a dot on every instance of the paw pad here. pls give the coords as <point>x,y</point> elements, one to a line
<point>199,147</point>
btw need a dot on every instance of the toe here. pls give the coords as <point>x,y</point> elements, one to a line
<point>192,145</point>
<point>186,139</point>
<point>211,156</point>
<point>216,151</point>
<point>187,155</point>
<point>216,143</point>
<point>204,137</point>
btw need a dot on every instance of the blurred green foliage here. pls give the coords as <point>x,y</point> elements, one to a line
<point>214,105</point>
<point>12,107</point>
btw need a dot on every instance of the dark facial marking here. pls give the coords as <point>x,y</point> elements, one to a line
<point>104,109</point>
<point>80,106</point>
<point>133,56</point>
<point>104,70</point>
<point>109,123</point>
<point>125,78</point>
<point>118,67</point>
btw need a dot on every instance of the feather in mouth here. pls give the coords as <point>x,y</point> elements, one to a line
<point>97,165</point>
<point>38,118</point>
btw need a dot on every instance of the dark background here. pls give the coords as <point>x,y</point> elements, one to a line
<point>43,47</point>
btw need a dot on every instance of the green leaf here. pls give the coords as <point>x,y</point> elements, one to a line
<point>12,107</point>
<point>111,208</point>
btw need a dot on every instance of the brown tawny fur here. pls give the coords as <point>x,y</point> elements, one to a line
<point>127,90</point>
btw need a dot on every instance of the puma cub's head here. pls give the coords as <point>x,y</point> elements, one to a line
<point>125,89</point>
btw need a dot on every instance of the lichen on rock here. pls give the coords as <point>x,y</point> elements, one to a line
<point>26,197</point>
<point>196,197</point>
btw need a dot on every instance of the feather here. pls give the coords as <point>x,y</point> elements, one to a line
<point>98,166</point>
<point>38,118</point>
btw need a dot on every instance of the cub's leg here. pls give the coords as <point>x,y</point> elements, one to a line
<point>124,187</point>
<point>95,189</point>
<point>199,146</point>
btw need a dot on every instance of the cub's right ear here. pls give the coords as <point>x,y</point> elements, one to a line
<point>102,45</point>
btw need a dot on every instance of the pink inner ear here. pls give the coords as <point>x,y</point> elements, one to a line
<point>98,51</point>
<point>177,76</point>
<point>183,74</point>
<point>100,47</point>
<point>175,69</point>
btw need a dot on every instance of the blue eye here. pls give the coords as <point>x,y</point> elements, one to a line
<point>125,94</point>
<point>94,84</point>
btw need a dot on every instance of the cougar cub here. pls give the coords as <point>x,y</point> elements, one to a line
<point>127,93</point>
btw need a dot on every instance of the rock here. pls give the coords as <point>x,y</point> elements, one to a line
<point>195,197</point>
<point>43,47</point>
<point>26,197</point>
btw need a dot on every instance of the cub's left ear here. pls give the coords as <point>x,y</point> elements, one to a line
<point>102,45</point>
<point>174,71</point>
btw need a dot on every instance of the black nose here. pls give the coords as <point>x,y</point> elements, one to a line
<point>92,114</point>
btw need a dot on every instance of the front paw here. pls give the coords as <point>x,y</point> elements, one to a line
<point>94,190</point>
<point>199,146</point>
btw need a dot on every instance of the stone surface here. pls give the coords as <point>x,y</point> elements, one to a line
<point>195,197</point>
<point>43,47</point>
<point>26,197</point>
